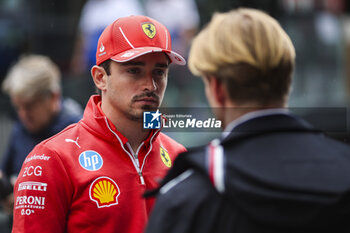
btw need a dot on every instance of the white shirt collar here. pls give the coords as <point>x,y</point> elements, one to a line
<point>250,115</point>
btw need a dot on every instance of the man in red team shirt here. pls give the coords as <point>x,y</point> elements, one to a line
<point>91,176</point>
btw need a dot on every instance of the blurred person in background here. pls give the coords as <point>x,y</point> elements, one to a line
<point>95,16</point>
<point>33,85</point>
<point>271,171</point>
<point>91,176</point>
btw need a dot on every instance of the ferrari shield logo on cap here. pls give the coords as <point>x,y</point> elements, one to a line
<point>149,29</point>
<point>165,157</point>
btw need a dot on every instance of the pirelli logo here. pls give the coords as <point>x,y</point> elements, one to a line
<point>32,185</point>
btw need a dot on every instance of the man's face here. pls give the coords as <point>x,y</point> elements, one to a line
<point>35,113</point>
<point>136,86</point>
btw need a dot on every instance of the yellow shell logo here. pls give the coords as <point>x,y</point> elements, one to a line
<point>104,191</point>
<point>149,29</point>
<point>165,157</point>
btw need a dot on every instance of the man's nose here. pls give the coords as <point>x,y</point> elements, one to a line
<point>150,84</point>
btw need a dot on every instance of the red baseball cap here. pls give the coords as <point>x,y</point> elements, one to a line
<point>130,37</point>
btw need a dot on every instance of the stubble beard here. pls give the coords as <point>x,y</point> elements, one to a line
<point>137,114</point>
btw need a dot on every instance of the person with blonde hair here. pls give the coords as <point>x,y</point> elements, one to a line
<point>271,171</point>
<point>34,87</point>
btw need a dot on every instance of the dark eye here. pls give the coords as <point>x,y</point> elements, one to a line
<point>159,72</point>
<point>134,70</point>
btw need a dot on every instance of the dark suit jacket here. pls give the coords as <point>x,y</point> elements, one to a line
<point>277,174</point>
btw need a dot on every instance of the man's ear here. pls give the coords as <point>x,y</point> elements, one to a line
<point>99,76</point>
<point>218,90</point>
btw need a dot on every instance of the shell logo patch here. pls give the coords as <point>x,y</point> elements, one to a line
<point>104,191</point>
<point>149,29</point>
<point>165,157</point>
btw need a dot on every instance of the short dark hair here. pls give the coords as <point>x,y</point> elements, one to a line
<point>106,65</point>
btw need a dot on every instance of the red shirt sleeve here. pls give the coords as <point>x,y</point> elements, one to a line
<point>42,193</point>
